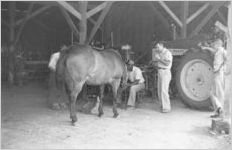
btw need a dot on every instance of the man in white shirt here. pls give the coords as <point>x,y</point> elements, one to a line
<point>162,59</point>
<point>217,91</point>
<point>136,79</point>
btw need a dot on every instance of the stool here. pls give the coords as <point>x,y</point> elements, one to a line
<point>140,95</point>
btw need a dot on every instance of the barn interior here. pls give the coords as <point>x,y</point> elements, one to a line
<point>33,30</point>
<point>125,23</point>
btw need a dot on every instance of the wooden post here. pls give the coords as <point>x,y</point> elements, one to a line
<point>83,22</point>
<point>228,93</point>
<point>11,46</point>
<point>185,11</point>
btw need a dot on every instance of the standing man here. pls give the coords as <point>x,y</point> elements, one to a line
<point>162,59</point>
<point>217,91</point>
<point>136,79</point>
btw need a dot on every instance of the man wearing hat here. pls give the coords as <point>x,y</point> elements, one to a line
<point>217,91</point>
<point>136,79</point>
<point>162,60</point>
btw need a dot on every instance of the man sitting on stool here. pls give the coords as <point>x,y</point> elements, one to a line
<point>136,82</point>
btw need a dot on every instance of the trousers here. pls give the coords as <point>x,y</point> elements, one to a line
<point>217,94</point>
<point>133,90</point>
<point>164,78</point>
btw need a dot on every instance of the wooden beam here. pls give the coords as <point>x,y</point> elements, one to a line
<point>222,17</point>
<point>11,58</point>
<point>96,9</point>
<point>12,7</point>
<point>170,12</point>
<point>185,11</point>
<point>16,10</point>
<point>94,22</point>
<point>100,20</point>
<point>83,22</point>
<point>35,13</point>
<point>69,8</point>
<point>24,22</point>
<point>197,13</point>
<point>159,15</point>
<point>70,22</point>
<point>206,18</point>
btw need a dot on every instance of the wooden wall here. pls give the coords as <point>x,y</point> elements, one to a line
<point>134,23</point>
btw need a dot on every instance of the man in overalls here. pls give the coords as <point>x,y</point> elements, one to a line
<point>162,59</point>
<point>217,91</point>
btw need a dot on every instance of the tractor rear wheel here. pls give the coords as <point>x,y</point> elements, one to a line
<point>194,79</point>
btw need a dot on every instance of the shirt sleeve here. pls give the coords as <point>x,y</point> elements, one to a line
<point>167,56</point>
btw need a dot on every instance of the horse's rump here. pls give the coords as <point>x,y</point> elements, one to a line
<point>83,63</point>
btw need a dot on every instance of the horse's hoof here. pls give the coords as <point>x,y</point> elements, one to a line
<point>73,123</point>
<point>115,115</point>
<point>100,114</point>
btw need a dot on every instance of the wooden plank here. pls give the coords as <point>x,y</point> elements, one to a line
<point>100,20</point>
<point>35,13</point>
<point>206,18</point>
<point>83,22</point>
<point>197,13</point>
<point>69,8</point>
<point>24,22</point>
<point>96,9</point>
<point>70,22</point>
<point>185,11</point>
<point>6,23</point>
<point>12,7</point>
<point>170,12</point>
<point>219,125</point>
<point>222,17</point>
<point>41,24</point>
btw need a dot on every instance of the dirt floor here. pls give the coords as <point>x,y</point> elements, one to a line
<point>26,122</point>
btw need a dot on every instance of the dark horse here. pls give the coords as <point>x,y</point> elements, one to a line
<point>80,64</point>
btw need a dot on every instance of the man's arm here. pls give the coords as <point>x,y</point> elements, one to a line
<point>166,58</point>
<point>208,48</point>
<point>165,61</point>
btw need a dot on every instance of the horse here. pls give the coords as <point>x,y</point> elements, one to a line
<point>81,64</point>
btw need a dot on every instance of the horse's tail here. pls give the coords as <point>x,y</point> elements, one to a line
<point>60,71</point>
<point>124,76</point>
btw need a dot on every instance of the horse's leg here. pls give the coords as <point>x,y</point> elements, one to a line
<point>100,108</point>
<point>72,98</point>
<point>115,84</point>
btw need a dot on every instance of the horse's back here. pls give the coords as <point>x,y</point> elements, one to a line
<point>112,62</point>
<point>86,64</point>
<point>79,61</point>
